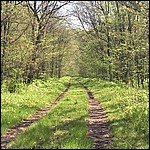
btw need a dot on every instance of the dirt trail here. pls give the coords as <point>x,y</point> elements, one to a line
<point>12,133</point>
<point>98,128</point>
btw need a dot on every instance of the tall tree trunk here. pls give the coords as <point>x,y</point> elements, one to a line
<point>6,29</point>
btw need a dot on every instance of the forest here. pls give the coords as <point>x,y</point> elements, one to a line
<point>108,51</point>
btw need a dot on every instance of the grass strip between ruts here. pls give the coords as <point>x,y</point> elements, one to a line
<point>64,127</point>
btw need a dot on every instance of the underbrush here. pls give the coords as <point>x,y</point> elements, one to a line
<point>26,99</point>
<point>127,109</point>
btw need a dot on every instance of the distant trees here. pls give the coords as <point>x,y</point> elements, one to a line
<point>34,38</point>
<point>115,40</point>
<point>13,28</point>
<point>113,43</point>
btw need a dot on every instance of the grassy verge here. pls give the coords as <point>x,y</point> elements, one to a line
<point>128,112</point>
<point>18,105</point>
<point>64,127</point>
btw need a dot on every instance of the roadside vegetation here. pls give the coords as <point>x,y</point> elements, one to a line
<point>65,125</point>
<point>127,109</point>
<point>26,99</point>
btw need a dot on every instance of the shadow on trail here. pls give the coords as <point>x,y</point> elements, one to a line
<point>57,136</point>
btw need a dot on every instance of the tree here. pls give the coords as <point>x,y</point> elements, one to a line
<point>111,37</point>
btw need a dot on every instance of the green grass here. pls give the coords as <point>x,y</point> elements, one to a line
<point>64,127</point>
<point>17,106</point>
<point>128,112</point>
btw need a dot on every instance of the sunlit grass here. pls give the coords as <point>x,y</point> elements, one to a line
<point>128,112</point>
<point>17,106</point>
<point>64,127</point>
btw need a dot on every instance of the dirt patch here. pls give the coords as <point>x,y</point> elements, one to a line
<point>98,127</point>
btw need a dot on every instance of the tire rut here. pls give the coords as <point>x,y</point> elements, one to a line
<point>12,133</point>
<point>98,127</point>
